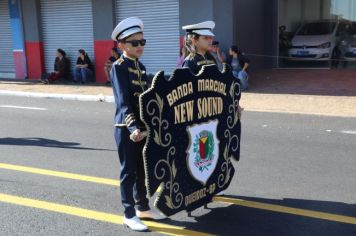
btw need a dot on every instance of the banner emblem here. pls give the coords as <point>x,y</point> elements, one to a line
<point>203,151</point>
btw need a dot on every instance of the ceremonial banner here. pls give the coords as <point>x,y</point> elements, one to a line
<point>193,132</point>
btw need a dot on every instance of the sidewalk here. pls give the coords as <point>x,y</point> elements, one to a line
<point>288,91</point>
<point>319,92</point>
<point>33,88</point>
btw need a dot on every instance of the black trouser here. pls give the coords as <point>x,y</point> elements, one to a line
<point>132,176</point>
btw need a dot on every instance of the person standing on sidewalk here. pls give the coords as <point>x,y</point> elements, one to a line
<point>129,80</point>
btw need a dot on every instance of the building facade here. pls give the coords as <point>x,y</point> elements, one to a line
<point>32,30</point>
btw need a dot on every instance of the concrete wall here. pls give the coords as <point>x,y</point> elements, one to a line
<point>326,9</point>
<point>312,10</point>
<point>194,11</point>
<point>271,32</point>
<point>256,31</point>
<point>31,20</point>
<point>104,19</point>
<point>33,43</point>
<point>224,18</point>
<point>103,23</point>
<point>290,14</point>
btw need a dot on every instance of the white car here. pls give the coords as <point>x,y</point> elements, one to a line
<point>348,44</point>
<point>317,41</point>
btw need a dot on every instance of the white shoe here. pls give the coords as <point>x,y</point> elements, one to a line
<point>150,215</point>
<point>135,224</point>
<point>221,193</point>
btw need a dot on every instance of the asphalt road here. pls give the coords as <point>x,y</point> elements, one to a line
<point>297,161</point>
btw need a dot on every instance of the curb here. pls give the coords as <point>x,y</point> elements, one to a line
<point>74,97</point>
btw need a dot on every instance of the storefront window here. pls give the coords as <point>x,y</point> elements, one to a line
<point>317,28</point>
<point>317,33</point>
<point>345,9</point>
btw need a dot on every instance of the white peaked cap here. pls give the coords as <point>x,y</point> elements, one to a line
<point>127,27</point>
<point>203,28</point>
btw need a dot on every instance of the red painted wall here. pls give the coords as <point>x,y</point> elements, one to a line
<point>35,59</point>
<point>19,64</point>
<point>102,50</point>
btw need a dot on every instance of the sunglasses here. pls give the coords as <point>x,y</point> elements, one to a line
<point>135,43</point>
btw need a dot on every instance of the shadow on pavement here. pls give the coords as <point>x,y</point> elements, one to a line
<point>43,142</point>
<point>240,220</point>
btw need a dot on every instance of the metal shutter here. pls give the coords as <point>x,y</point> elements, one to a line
<point>161,29</point>
<point>67,25</point>
<point>7,65</point>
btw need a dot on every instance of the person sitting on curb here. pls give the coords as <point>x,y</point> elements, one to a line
<point>61,68</point>
<point>83,69</point>
<point>107,67</point>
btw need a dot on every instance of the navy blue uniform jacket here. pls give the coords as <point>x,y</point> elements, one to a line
<point>196,61</point>
<point>129,80</point>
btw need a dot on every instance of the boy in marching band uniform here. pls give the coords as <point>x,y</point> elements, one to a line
<point>129,80</point>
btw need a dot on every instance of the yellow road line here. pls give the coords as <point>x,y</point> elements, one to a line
<point>94,215</point>
<point>288,210</point>
<point>60,174</point>
<point>240,202</point>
